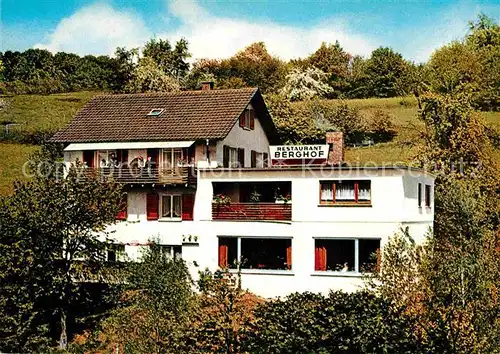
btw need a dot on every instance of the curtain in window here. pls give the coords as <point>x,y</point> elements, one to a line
<point>364,191</point>
<point>165,206</point>
<point>326,191</point>
<point>344,191</point>
<point>320,257</point>
<point>177,206</point>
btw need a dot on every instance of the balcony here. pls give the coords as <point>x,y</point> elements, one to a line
<point>129,175</point>
<point>252,212</point>
<point>253,201</point>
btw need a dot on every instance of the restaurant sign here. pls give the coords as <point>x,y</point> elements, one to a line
<point>298,154</point>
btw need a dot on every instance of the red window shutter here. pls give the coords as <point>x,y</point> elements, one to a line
<point>88,158</point>
<point>241,157</point>
<point>252,119</point>
<point>152,202</point>
<point>223,248</point>
<point>320,258</point>
<point>242,119</point>
<point>187,206</point>
<point>122,213</point>
<point>289,257</point>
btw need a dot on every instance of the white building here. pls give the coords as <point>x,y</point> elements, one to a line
<point>195,169</point>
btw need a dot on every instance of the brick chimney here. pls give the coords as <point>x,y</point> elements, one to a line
<point>336,152</point>
<point>207,85</point>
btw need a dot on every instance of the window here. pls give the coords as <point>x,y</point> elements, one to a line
<point>345,192</point>
<point>347,255</point>
<point>115,253</point>
<point>255,253</point>
<point>172,158</point>
<point>258,159</point>
<point>155,112</point>
<point>419,195</point>
<point>171,207</point>
<point>427,195</point>
<point>107,158</point>
<point>233,157</point>
<point>171,252</point>
<point>247,119</point>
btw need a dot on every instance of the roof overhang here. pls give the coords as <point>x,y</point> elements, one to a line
<point>129,145</point>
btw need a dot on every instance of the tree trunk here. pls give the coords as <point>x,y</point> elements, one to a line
<point>63,339</point>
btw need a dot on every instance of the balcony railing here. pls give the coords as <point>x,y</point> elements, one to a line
<point>252,211</point>
<point>129,175</point>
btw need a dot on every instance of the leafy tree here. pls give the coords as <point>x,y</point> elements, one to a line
<point>156,303</point>
<point>305,84</point>
<point>148,77</point>
<point>57,224</point>
<point>253,66</point>
<point>171,60</point>
<point>223,314</point>
<point>125,64</point>
<point>384,70</point>
<point>333,60</point>
<point>454,66</point>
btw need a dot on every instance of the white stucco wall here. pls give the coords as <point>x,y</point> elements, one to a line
<point>239,137</point>
<point>394,205</point>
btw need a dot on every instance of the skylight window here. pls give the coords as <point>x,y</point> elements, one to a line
<point>155,112</point>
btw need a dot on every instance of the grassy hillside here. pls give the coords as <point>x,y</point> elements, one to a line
<point>51,112</point>
<point>42,112</point>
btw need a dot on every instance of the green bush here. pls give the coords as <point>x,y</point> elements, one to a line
<point>340,323</point>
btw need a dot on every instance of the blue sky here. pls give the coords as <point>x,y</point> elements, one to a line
<point>220,28</point>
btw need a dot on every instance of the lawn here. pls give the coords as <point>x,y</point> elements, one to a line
<point>11,164</point>
<point>42,112</point>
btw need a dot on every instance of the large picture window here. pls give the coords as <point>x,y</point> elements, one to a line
<point>347,255</point>
<point>345,192</point>
<point>255,253</point>
<point>171,206</point>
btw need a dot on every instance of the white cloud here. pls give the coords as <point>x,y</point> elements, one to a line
<point>97,29</point>
<point>216,37</point>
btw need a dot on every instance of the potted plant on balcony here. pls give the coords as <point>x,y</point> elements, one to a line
<point>189,239</point>
<point>255,196</point>
<point>279,198</point>
<point>222,199</point>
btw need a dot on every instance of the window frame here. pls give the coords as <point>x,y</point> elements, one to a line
<point>107,153</point>
<point>160,207</point>
<point>334,202</point>
<point>239,253</point>
<point>356,271</point>
<point>171,153</point>
<point>232,151</point>
<point>170,251</point>
<point>247,117</point>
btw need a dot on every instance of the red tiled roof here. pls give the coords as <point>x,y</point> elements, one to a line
<point>187,115</point>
